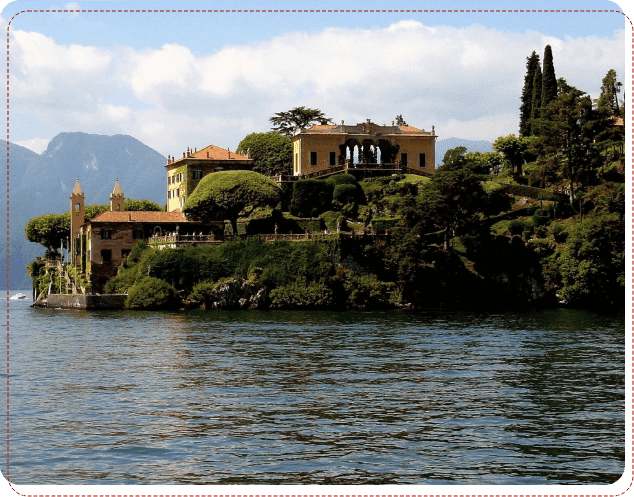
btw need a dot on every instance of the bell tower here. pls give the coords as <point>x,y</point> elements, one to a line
<point>116,198</point>
<point>76,219</point>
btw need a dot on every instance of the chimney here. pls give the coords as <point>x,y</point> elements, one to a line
<point>183,155</point>
<point>392,123</point>
<point>129,216</point>
<point>228,154</point>
<point>208,154</point>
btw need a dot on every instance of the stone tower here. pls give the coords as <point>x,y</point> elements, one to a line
<point>76,218</point>
<point>116,198</point>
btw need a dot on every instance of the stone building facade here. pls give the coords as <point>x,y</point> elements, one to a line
<point>184,174</point>
<point>101,245</point>
<point>365,144</point>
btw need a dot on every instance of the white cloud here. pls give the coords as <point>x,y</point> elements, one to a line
<point>37,145</point>
<point>466,81</point>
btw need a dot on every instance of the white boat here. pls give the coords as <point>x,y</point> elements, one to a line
<point>18,296</point>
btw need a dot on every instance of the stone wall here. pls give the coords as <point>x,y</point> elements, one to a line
<point>86,301</point>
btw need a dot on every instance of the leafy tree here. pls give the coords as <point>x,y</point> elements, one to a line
<point>400,121</point>
<point>454,196</point>
<point>610,90</point>
<point>291,122</point>
<point>526,111</point>
<point>514,149</point>
<point>485,162</point>
<point>590,268</point>
<point>272,153</point>
<point>48,230</point>
<point>569,136</point>
<point>549,81</point>
<point>139,205</point>
<point>229,194</point>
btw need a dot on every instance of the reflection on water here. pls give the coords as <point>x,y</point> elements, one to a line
<point>298,397</point>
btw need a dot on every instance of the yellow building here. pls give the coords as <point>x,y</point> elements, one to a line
<point>364,145</point>
<point>184,174</point>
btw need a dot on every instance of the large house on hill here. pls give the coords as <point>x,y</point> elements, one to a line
<point>322,147</point>
<point>184,174</point>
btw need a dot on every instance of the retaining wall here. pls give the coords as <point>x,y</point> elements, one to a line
<point>86,301</point>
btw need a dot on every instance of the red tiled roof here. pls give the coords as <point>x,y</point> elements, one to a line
<point>215,153</point>
<point>139,217</point>
<point>409,128</point>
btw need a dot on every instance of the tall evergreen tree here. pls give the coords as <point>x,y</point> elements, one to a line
<point>526,114</point>
<point>536,102</point>
<point>610,90</point>
<point>549,81</point>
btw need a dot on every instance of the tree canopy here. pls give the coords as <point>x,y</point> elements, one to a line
<point>400,121</point>
<point>272,153</point>
<point>526,109</point>
<point>293,121</point>
<point>229,194</point>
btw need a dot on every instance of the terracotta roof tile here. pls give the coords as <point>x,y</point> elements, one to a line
<point>216,153</point>
<point>139,217</point>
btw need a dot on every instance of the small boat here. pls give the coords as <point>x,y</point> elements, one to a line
<point>18,296</point>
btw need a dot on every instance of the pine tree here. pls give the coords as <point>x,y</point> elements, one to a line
<point>549,81</point>
<point>527,95</point>
<point>610,90</point>
<point>536,103</point>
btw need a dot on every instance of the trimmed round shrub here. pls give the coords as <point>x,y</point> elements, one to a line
<point>342,179</point>
<point>310,194</point>
<point>151,293</point>
<point>345,193</point>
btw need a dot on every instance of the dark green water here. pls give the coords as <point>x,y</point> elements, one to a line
<point>315,398</point>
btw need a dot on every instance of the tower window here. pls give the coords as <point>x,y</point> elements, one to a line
<point>77,207</point>
<point>106,255</point>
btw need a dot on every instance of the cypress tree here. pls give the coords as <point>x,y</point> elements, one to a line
<point>527,95</point>
<point>536,103</point>
<point>549,81</point>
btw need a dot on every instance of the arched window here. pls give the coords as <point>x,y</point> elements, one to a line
<point>77,207</point>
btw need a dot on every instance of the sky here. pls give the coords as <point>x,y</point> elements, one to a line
<point>190,79</point>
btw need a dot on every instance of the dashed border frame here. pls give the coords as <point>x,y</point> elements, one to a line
<point>248,11</point>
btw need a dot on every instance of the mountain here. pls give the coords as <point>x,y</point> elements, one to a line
<point>41,184</point>
<point>472,146</point>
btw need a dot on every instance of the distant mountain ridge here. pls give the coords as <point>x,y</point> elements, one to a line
<point>472,146</point>
<point>41,183</point>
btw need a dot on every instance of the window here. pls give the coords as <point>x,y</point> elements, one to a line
<point>404,160</point>
<point>106,255</point>
<point>296,163</point>
<point>136,234</point>
<point>118,207</point>
<point>421,160</point>
<point>197,175</point>
<point>125,253</point>
<point>106,234</point>
<point>313,158</point>
<point>178,192</point>
<point>333,159</point>
<point>77,207</point>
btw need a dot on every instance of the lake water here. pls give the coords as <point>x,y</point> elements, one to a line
<point>439,397</point>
